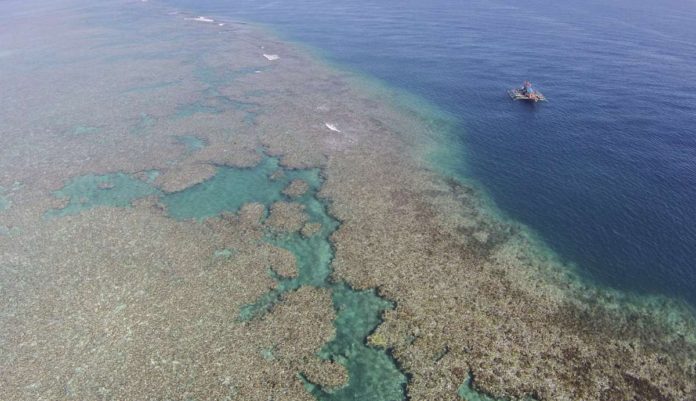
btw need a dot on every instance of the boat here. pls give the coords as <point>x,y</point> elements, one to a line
<point>526,92</point>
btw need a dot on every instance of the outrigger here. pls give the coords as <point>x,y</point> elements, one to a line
<point>526,92</point>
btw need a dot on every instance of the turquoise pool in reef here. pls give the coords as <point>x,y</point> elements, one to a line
<point>373,374</point>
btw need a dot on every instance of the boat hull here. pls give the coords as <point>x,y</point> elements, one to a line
<point>517,94</point>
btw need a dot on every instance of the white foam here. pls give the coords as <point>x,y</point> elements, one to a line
<point>271,57</point>
<point>332,127</point>
<point>200,19</point>
<point>221,24</point>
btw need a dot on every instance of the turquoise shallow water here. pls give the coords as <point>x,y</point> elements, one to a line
<point>4,201</point>
<point>373,374</point>
<point>605,172</point>
<point>228,190</point>
<point>89,191</point>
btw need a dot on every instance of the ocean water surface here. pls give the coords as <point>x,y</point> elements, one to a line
<point>604,173</point>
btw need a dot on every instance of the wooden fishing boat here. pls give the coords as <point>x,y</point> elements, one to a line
<point>526,92</point>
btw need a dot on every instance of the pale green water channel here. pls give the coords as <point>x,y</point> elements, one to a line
<point>373,374</point>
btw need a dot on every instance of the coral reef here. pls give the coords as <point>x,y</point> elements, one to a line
<point>296,188</point>
<point>187,227</point>
<point>287,217</point>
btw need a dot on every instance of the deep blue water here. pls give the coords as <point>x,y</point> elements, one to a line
<point>605,172</point>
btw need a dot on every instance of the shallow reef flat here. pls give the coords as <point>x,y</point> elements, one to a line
<point>184,217</point>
